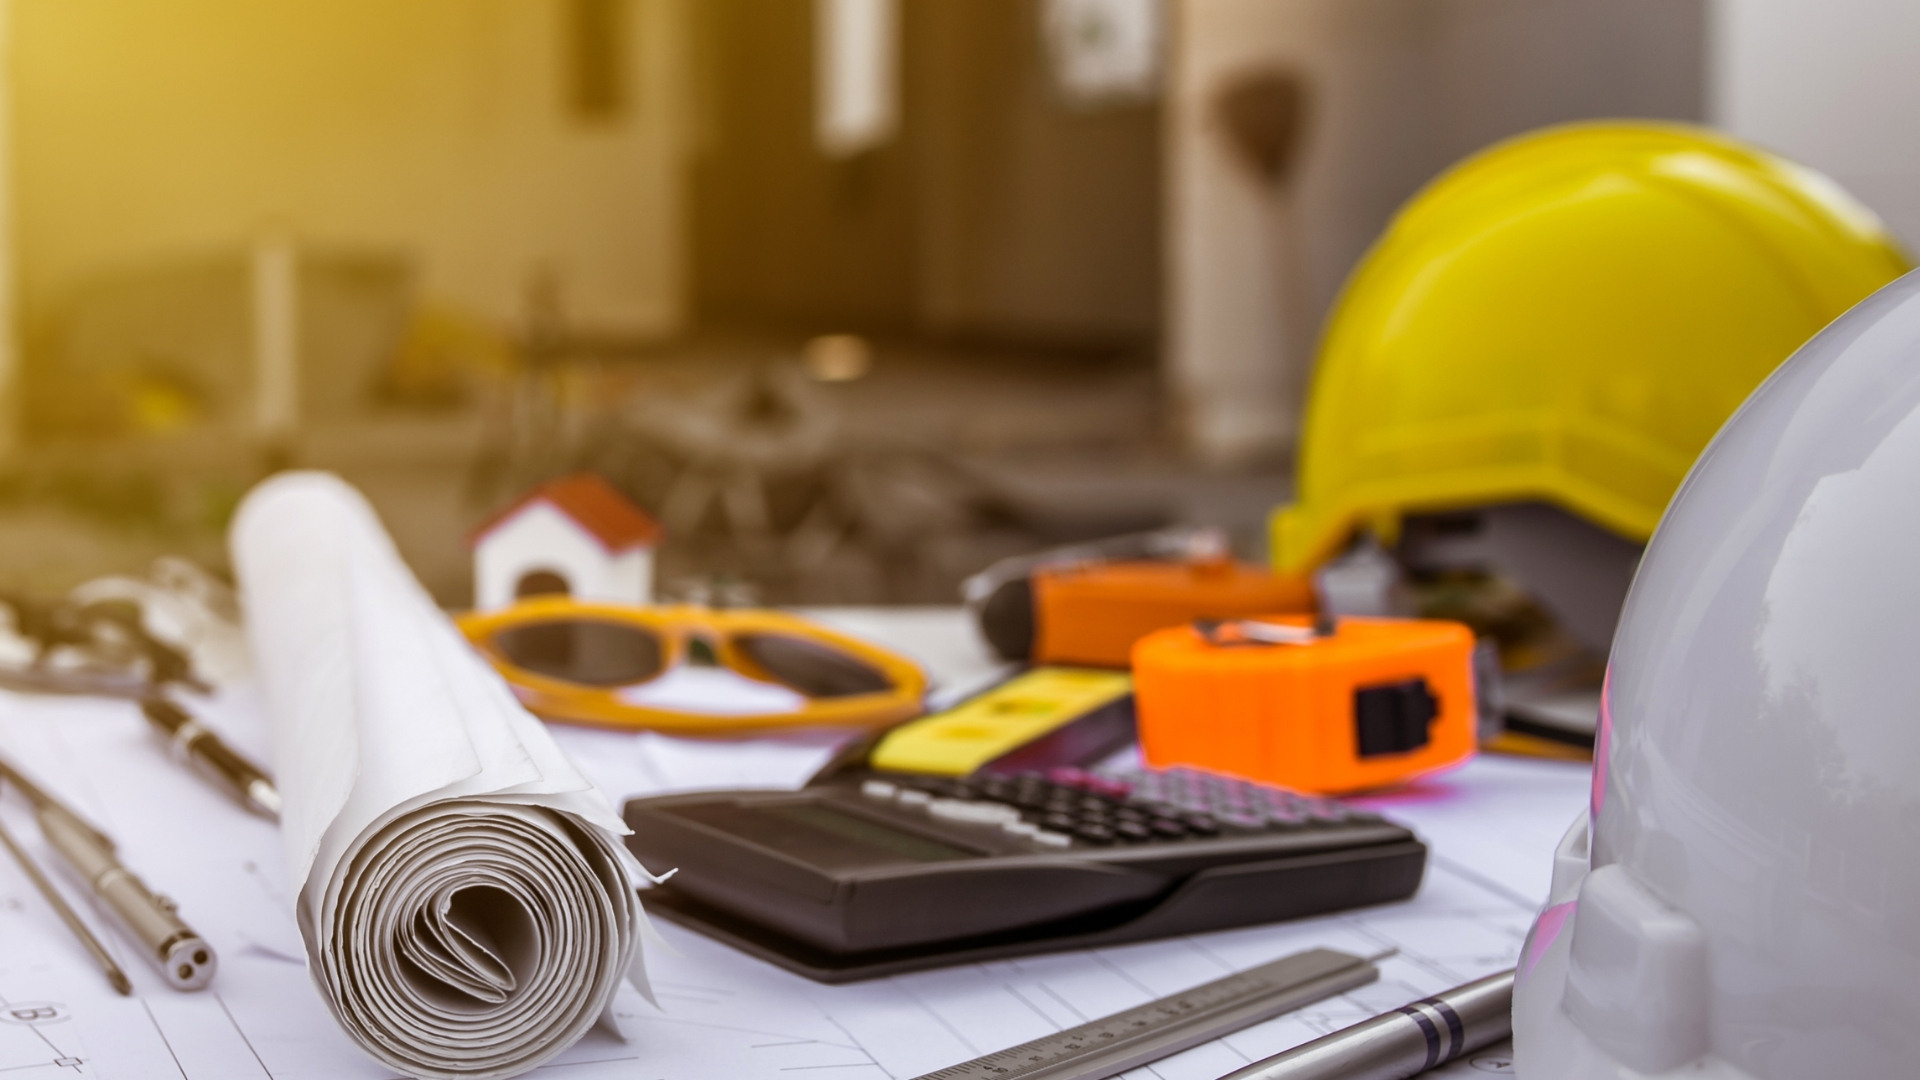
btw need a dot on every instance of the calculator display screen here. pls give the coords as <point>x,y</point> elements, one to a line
<point>822,835</point>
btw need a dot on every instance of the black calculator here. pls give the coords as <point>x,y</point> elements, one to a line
<point>869,873</point>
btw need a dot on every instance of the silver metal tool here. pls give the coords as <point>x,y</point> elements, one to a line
<point>39,798</point>
<point>1113,1044</point>
<point>211,755</point>
<point>1405,1042</point>
<point>67,915</point>
<point>184,958</point>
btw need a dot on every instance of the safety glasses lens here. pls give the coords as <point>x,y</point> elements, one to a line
<point>589,652</point>
<point>816,670</point>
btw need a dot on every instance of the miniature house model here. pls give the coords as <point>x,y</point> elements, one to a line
<point>576,536</point>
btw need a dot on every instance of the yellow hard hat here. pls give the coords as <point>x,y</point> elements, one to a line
<point>1568,317</point>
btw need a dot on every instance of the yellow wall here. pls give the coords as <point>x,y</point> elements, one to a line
<point>440,129</point>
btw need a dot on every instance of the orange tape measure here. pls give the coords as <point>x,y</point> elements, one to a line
<point>1093,613</point>
<point>1353,704</point>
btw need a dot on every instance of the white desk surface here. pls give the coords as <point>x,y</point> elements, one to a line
<point>1491,826</point>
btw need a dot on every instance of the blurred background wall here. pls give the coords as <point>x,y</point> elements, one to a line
<point>1831,83</point>
<point>504,154</point>
<point>523,231</point>
<point>1000,210</point>
<point>489,143</point>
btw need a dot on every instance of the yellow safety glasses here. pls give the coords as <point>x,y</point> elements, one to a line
<point>690,670</point>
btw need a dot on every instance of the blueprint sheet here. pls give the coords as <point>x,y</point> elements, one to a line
<point>1492,826</point>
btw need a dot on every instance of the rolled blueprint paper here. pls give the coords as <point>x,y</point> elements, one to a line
<point>466,905</point>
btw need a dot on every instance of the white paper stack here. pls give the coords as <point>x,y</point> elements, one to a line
<point>466,906</point>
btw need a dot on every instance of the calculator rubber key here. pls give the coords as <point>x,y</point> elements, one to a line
<point>1093,834</point>
<point>1201,823</point>
<point>1052,839</point>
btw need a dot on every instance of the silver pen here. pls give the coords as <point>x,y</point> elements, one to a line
<point>209,753</point>
<point>61,908</point>
<point>184,958</point>
<point>1405,1042</point>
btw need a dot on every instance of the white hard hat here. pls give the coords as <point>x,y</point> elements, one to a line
<point>1749,905</point>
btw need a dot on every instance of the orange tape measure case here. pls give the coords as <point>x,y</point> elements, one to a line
<point>1372,703</point>
<point>1093,613</point>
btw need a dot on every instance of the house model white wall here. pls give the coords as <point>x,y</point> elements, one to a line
<point>576,535</point>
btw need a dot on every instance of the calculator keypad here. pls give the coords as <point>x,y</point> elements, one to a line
<point>1065,806</point>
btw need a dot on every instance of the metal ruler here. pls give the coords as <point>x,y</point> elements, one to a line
<point>1113,1044</point>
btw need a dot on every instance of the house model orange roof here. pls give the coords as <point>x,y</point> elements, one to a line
<point>597,506</point>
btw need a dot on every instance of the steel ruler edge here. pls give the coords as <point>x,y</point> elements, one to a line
<point>1133,1037</point>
